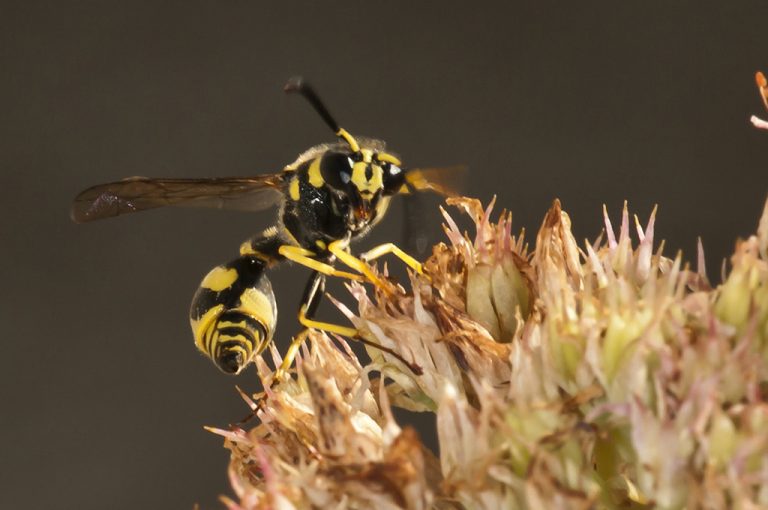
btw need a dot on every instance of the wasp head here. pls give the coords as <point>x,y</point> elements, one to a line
<point>359,180</point>
<point>359,177</point>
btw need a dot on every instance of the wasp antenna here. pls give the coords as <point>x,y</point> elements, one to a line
<point>302,86</point>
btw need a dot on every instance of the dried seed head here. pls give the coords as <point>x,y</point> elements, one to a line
<point>602,376</point>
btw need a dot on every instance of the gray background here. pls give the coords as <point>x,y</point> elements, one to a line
<point>103,394</point>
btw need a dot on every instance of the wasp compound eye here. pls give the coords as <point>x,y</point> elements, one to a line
<point>394,178</point>
<point>336,169</point>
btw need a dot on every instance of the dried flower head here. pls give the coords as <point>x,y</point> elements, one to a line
<point>606,375</point>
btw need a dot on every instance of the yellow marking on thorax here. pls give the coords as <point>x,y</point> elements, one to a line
<point>293,189</point>
<point>247,247</point>
<point>321,244</point>
<point>219,278</point>
<point>315,177</point>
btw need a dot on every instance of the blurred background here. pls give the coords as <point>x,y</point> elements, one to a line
<point>103,394</point>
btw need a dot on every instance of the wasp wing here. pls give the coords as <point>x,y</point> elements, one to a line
<point>415,234</point>
<point>142,193</point>
<point>447,181</point>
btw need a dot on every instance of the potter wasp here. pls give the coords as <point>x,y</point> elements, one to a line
<point>331,195</point>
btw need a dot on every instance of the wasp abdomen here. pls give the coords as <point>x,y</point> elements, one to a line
<point>233,313</point>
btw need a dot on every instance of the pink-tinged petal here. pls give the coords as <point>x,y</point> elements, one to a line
<point>597,266</point>
<point>236,435</point>
<point>645,250</point>
<point>248,400</point>
<point>701,266</point>
<point>609,229</point>
<point>452,230</point>
<point>638,228</point>
<point>624,230</point>
<point>758,122</point>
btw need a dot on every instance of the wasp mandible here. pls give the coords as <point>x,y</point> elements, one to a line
<point>332,194</point>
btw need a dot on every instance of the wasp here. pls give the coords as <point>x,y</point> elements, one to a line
<point>331,195</point>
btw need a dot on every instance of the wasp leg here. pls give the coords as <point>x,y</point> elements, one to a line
<point>312,295</point>
<point>310,301</point>
<point>339,250</point>
<point>386,248</point>
<point>326,326</point>
<point>289,356</point>
<point>305,258</point>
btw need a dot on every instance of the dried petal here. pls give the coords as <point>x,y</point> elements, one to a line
<point>610,377</point>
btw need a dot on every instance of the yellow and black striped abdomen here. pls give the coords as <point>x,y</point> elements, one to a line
<point>233,313</point>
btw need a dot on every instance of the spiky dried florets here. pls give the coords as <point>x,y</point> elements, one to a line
<point>607,375</point>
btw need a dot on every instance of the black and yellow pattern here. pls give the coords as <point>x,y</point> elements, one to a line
<point>331,195</point>
<point>233,313</point>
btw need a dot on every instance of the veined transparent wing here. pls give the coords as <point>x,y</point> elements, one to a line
<point>142,193</point>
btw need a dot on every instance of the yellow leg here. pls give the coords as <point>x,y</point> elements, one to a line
<point>351,333</point>
<point>299,339</point>
<point>338,249</point>
<point>304,257</point>
<point>290,355</point>
<point>325,326</point>
<point>384,249</point>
